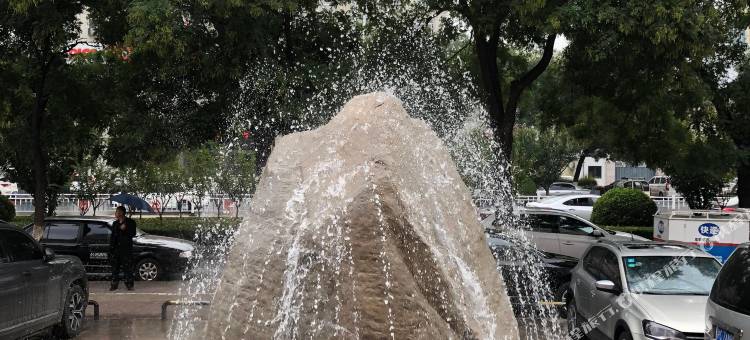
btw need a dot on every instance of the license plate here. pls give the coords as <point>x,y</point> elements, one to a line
<point>723,334</point>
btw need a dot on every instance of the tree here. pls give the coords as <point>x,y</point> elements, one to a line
<point>49,104</point>
<point>542,155</point>
<point>237,176</point>
<point>496,28</point>
<point>93,177</point>
<point>733,104</point>
<point>162,182</point>
<point>200,171</point>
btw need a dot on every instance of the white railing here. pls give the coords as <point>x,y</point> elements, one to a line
<point>69,204</point>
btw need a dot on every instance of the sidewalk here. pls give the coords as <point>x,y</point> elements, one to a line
<point>127,314</point>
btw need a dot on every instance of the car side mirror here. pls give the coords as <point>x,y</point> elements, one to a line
<point>607,286</point>
<point>597,233</point>
<point>49,254</point>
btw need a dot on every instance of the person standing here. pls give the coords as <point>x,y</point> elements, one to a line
<point>121,248</point>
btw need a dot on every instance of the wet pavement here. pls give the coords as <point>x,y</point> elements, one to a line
<point>133,314</point>
<point>136,314</point>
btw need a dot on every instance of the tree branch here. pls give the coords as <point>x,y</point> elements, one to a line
<point>525,80</point>
<point>456,53</point>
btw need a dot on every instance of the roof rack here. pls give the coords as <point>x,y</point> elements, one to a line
<point>628,243</point>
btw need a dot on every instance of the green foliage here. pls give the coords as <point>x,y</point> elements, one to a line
<point>7,209</point>
<point>625,207</point>
<point>542,155</point>
<point>200,168</point>
<point>524,185</point>
<point>188,228</point>
<point>587,182</point>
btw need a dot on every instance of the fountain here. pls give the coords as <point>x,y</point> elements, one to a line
<point>361,228</point>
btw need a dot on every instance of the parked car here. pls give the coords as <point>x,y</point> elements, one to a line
<point>512,254</point>
<point>155,257</point>
<point>562,188</point>
<point>560,232</point>
<point>728,307</point>
<point>39,291</point>
<point>639,291</point>
<point>579,205</point>
<point>637,184</point>
<point>660,186</point>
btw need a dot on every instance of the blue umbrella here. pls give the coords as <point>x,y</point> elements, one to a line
<point>132,201</point>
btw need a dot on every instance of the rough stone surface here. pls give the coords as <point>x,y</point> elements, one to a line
<point>361,229</point>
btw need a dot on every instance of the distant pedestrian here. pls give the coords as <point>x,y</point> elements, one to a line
<point>121,248</point>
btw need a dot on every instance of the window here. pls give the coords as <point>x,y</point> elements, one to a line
<point>19,246</point>
<point>572,226</point>
<point>611,268</point>
<point>730,289</point>
<point>96,233</point>
<point>62,232</point>
<point>542,223</point>
<point>580,202</point>
<point>595,171</point>
<point>593,262</point>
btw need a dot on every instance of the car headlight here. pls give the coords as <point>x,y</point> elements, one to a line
<point>186,254</point>
<point>653,330</point>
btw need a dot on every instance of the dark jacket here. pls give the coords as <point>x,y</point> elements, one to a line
<point>122,240</point>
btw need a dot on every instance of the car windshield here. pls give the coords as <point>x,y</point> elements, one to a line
<point>670,275</point>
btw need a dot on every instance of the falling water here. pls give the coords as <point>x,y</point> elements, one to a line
<point>429,91</point>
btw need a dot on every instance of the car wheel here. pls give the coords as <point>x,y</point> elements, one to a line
<point>561,295</point>
<point>572,315</point>
<point>625,335</point>
<point>74,311</point>
<point>148,270</point>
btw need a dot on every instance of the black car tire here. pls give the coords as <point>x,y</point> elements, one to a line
<point>74,312</point>
<point>148,269</point>
<point>572,315</point>
<point>561,295</point>
<point>625,335</point>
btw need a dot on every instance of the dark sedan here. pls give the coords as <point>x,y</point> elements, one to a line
<point>39,291</point>
<point>515,260</point>
<point>156,257</point>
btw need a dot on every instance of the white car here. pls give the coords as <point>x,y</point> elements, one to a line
<point>579,205</point>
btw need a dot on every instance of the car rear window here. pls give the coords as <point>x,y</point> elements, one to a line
<point>730,288</point>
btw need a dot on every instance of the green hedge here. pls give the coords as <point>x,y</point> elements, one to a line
<point>184,228</point>
<point>624,207</point>
<point>7,209</point>
<point>587,182</point>
<point>647,232</point>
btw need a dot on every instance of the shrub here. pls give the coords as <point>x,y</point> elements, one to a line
<point>7,209</point>
<point>629,207</point>
<point>587,182</point>
<point>524,185</point>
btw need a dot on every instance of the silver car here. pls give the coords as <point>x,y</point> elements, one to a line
<point>632,290</point>
<point>728,308</point>
<point>559,232</point>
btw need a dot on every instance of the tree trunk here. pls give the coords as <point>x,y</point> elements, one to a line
<point>743,184</point>
<point>39,167</point>
<point>579,166</point>
<point>486,50</point>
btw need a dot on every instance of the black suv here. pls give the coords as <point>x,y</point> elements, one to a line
<point>155,257</point>
<point>38,290</point>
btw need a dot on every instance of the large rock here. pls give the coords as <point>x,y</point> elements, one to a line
<point>361,229</point>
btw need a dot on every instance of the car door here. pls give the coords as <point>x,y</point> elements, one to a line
<point>63,237</point>
<point>543,231</point>
<point>574,236</point>
<point>609,269</point>
<point>12,288</point>
<point>35,299</point>
<point>96,242</point>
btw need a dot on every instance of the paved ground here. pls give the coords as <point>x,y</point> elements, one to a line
<point>130,314</point>
<point>137,314</point>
